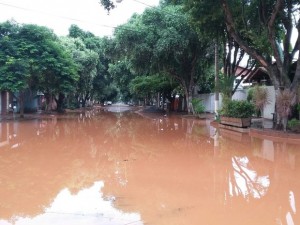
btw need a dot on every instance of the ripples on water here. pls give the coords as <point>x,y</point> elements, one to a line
<point>118,168</point>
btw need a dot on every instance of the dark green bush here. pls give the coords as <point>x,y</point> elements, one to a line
<point>294,125</point>
<point>237,109</point>
<point>198,105</point>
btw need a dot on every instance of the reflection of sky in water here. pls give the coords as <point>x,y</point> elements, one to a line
<point>87,207</point>
<point>246,181</point>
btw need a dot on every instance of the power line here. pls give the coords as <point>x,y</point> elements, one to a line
<point>144,3</point>
<point>65,17</point>
<point>68,18</point>
<point>78,20</point>
<point>58,16</point>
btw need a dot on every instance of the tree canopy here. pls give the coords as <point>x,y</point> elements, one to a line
<point>161,40</point>
<point>263,29</point>
<point>31,57</point>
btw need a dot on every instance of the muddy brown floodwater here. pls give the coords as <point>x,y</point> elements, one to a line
<point>116,167</point>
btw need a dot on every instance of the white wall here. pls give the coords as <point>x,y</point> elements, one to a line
<point>270,108</point>
<point>240,95</point>
<point>209,101</point>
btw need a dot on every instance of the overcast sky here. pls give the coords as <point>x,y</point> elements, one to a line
<point>60,14</point>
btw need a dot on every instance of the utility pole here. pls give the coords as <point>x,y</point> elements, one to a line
<point>217,99</point>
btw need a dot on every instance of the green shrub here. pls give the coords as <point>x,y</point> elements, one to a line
<point>237,109</point>
<point>250,94</point>
<point>293,124</point>
<point>198,106</point>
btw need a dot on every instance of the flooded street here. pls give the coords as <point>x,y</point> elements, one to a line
<point>117,167</point>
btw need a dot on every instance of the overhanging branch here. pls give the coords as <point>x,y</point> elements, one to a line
<point>230,28</point>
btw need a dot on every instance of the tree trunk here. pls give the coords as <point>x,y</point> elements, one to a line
<point>275,74</point>
<point>85,99</point>
<point>83,102</point>
<point>189,97</point>
<point>284,121</point>
<point>49,102</point>
<point>278,71</point>
<point>158,100</point>
<point>60,103</point>
<point>21,101</point>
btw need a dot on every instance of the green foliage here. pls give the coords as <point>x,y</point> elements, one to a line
<point>14,67</point>
<point>142,86</point>
<point>206,81</point>
<point>92,57</point>
<point>14,75</point>
<point>76,32</point>
<point>162,41</point>
<point>259,96</point>
<point>250,94</point>
<point>122,76</point>
<point>198,106</point>
<point>298,107</point>
<point>32,57</point>
<point>217,118</point>
<point>107,4</point>
<point>264,29</point>
<point>294,125</point>
<point>207,17</point>
<point>110,93</point>
<point>237,109</point>
<point>226,85</point>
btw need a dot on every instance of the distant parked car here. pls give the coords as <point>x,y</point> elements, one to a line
<point>109,102</point>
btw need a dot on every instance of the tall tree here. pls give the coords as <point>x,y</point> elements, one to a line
<point>264,30</point>
<point>209,22</point>
<point>104,87</point>
<point>86,61</point>
<point>276,20</point>
<point>122,76</point>
<point>31,57</point>
<point>161,40</point>
<point>146,87</point>
<point>100,86</point>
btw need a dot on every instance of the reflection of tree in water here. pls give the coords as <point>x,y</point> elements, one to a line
<point>258,174</point>
<point>46,162</point>
<point>245,181</point>
<point>285,188</point>
<point>163,165</point>
<point>234,147</point>
<point>58,152</point>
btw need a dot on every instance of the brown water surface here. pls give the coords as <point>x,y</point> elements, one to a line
<point>119,168</point>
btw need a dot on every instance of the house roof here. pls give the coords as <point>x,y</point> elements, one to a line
<point>258,75</point>
<point>242,71</point>
<point>261,74</point>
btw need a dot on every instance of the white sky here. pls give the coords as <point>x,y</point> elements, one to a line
<point>58,15</point>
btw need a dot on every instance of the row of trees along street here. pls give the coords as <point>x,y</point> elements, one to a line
<point>167,50</point>
<point>267,31</point>
<point>68,70</point>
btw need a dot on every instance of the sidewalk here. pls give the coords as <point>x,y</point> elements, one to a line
<point>262,123</point>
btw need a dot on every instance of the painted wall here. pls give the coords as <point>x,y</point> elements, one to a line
<point>241,94</point>
<point>270,108</point>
